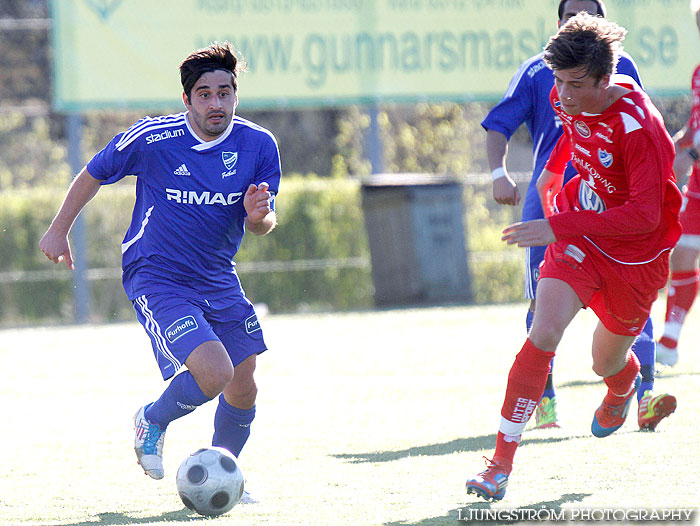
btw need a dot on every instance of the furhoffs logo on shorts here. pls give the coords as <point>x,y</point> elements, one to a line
<point>252,324</point>
<point>180,328</point>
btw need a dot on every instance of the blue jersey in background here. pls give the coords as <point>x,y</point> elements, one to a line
<point>188,219</point>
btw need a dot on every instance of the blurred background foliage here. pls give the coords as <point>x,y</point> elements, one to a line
<point>324,158</point>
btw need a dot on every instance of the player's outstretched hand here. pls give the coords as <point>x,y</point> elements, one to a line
<point>534,233</point>
<point>505,191</point>
<point>257,202</point>
<point>57,248</point>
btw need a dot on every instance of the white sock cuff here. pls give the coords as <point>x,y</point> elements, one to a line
<point>512,430</point>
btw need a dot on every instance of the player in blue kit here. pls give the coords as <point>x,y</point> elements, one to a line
<point>527,101</point>
<point>203,177</point>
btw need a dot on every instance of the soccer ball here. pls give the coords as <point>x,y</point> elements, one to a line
<point>210,482</point>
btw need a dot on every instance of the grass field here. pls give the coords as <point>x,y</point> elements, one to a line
<point>370,418</point>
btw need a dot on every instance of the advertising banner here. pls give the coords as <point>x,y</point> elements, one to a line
<point>125,53</point>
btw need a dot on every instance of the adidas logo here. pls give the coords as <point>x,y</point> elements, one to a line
<point>182,170</point>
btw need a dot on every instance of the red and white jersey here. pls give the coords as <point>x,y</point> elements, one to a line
<point>624,201</point>
<point>693,127</point>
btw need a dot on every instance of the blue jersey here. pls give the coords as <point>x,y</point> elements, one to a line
<point>188,219</point>
<point>527,101</point>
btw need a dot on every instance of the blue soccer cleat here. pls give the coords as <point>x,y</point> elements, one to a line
<point>491,483</point>
<point>609,418</point>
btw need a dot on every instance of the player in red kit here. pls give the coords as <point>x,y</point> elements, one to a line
<point>609,233</point>
<point>685,279</point>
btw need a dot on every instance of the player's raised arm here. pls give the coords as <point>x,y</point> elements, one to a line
<point>54,243</point>
<point>261,218</point>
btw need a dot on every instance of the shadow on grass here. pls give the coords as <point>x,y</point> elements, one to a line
<point>659,374</point>
<point>107,519</point>
<point>450,518</point>
<point>463,515</point>
<point>460,445</point>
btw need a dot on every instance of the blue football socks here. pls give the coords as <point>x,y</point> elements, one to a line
<point>231,426</point>
<point>645,349</point>
<point>180,398</point>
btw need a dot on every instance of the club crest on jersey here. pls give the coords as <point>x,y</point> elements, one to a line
<point>230,159</point>
<point>588,199</point>
<point>582,129</point>
<point>605,158</point>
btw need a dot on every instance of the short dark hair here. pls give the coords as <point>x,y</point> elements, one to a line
<point>211,58</point>
<point>586,41</point>
<point>600,8</point>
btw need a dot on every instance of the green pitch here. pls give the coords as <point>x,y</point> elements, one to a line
<point>370,418</point>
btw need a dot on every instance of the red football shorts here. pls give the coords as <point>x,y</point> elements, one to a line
<point>620,295</point>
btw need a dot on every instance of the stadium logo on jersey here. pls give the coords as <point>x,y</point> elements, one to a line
<point>191,197</point>
<point>582,129</point>
<point>167,134</point>
<point>180,328</point>
<point>252,324</point>
<point>588,199</point>
<point>534,69</point>
<point>182,170</point>
<point>605,158</point>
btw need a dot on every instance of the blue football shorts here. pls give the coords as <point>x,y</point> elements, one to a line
<point>534,256</point>
<point>176,325</point>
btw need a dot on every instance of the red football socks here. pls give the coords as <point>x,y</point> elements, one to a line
<point>526,382</point>
<point>619,384</point>
<point>682,291</point>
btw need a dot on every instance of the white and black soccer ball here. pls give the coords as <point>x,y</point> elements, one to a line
<point>210,482</point>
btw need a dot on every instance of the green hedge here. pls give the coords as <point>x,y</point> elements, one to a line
<point>318,219</point>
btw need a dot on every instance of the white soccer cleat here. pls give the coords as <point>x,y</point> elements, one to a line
<point>247,498</point>
<point>666,356</point>
<point>148,444</point>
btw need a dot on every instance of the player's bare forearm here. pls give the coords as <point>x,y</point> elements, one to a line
<point>264,226</point>
<point>534,233</point>
<point>54,243</point>
<point>81,191</point>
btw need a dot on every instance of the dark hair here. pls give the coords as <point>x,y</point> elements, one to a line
<point>586,41</point>
<point>214,57</point>
<point>600,8</point>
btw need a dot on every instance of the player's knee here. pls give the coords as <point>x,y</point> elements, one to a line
<point>605,368</point>
<point>242,394</point>
<point>545,337</point>
<point>213,384</point>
